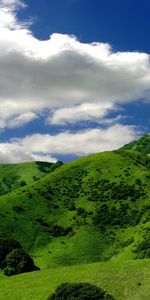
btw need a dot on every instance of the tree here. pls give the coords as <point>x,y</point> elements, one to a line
<point>6,246</point>
<point>17,262</point>
<point>80,291</point>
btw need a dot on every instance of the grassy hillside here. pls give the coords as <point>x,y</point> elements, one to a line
<point>86,221</point>
<point>86,211</point>
<point>14,176</point>
<point>141,145</point>
<point>125,280</point>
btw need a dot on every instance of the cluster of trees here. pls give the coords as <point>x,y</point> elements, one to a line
<point>46,167</point>
<point>54,229</point>
<point>123,215</point>
<point>104,190</point>
<point>10,183</point>
<point>143,144</point>
<point>69,186</point>
<point>80,291</point>
<point>13,258</point>
<point>143,249</point>
<point>124,191</point>
<point>98,190</point>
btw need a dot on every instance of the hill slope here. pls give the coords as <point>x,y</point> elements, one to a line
<point>14,176</point>
<point>141,145</point>
<point>89,210</point>
<point>125,280</point>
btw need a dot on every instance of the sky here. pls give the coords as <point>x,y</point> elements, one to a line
<point>74,77</point>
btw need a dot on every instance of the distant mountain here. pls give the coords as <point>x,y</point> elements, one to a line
<point>14,176</point>
<point>141,145</point>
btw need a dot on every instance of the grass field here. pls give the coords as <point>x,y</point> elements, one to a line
<point>125,280</point>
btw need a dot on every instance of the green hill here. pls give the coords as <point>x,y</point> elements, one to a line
<point>141,145</point>
<point>85,211</point>
<point>14,176</point>
<point>92,210</point>
<point>127,280</point>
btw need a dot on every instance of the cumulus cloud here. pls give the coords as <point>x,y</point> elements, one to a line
<point>13,152</point>
<point>70,80</point>
<point>83,112</point>
<point>13,121</point>
<point>63,73</point>
<point>46,146</point>
<point>8,19</point>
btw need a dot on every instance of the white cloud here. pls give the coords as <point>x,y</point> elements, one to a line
<point>72,81</point>
<point>80,143</point>
<point>22,119</point>
<point>83,112</point>
<point>8,19</point>
<point>13,121</point>
<point>46,146</point>
<point>15,153</point>
<point>62,73</point>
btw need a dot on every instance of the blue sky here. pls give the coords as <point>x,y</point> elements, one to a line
<point>123,24</point>
<point>74,77</point>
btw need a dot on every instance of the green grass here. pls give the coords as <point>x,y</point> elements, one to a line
<point>100,246</point>
<point>141,145</point>
<point>125,280</point>
<point>14,176</point>
<point>78,182</point>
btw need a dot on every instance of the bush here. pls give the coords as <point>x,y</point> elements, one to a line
<point>81,212</point>
<point>143,249</point>
<point>54,229</point>
<point>13,259</point>
<point>57,231</point>
<point>17,262</point>
<point>18,209</point>
<point>122,215</point>
<point>6,246</point>
<point>80,291</point>
<point>22,183</point>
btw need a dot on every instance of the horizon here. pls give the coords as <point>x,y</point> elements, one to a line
<point>75,158</point>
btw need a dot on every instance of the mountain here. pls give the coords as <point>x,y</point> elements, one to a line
<point>141,145</point>
<point>82,211</point>
<point>94,211</point>
<point>14,176</point>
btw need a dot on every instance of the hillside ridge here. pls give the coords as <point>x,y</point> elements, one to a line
<point>87,210</point>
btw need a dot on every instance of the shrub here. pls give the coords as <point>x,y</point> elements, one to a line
<point>54,229</point>
<point>13,259</point>
<point>122,215</point>
<point>18,209</point>
<point>71,206</point>
<point>22,183</point>
<point>81,212</point>
<point>17,262</point>
<point>143,249</point>
<point>57,231</point>
<point>83,291</point>
<point>6,246</point>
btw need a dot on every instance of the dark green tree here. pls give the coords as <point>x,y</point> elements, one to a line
<point>6,246</point>
<point>17,262</point>
<point>80,291</point>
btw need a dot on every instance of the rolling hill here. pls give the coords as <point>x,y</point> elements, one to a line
<point>141,145</point>
<point>90,213</point>
<point>14,176</point>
